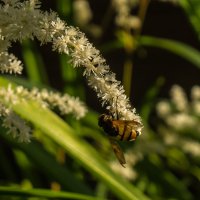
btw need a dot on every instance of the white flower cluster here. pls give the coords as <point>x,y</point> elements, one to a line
<point>179,113</point>
<point>179,98</point>
<point>70,40</point>
<point>195,96</point>
<point>17,126</point>
<point>24,20</point>
<point>17,22</point>
<point>124,18</point>
<point>82,15</point>
<point>65,103</point>
<point>182,115</point>
<point>9,63</point>
<point>189,146</point>
<point>99,76</point>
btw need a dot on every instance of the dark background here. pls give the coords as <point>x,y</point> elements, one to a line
<point>163,19</point>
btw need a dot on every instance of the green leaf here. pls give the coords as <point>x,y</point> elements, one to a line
<point>61,133</point>
<point>149,99</point>
<point>81,151</point>
<point>33,63</point>
<point>183,50</point>
<point>11,191</point>
<point>35,153</point>
<point>192,10</point>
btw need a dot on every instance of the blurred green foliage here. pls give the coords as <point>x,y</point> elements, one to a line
<point>72,159</point>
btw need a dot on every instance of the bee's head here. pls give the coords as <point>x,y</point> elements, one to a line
<point>103,119</point>
<point>138,133</point>
<point>134,135</point>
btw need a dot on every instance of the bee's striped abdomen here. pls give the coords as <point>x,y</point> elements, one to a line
<point>121,132</point>
<point>125,132</point>
<point>130,136</point>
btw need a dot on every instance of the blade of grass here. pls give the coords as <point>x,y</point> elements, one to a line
<point>10,191</point>
<point>35,153</point>
<point>81,151</point>
<point>34,63</point>
<point>55,128</point>
<point>192,10</point>
<point>150,98</point>
<point>183,50</point>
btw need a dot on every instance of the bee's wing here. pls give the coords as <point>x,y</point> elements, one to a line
<point>129,123</point>
<point>118,151</point>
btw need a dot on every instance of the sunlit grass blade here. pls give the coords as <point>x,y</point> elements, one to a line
<point>192,10</point>
<point>61,133</point>
<point>33,63</point>
<point>42,193</point>
<point>81,151</point>
<point>183,50</point>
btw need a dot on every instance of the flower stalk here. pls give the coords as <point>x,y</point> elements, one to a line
<point>21,20</point>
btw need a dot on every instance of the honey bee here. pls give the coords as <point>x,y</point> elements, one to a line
<point>119,130</point>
